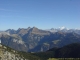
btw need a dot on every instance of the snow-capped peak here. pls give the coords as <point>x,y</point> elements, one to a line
<point>62,28</point>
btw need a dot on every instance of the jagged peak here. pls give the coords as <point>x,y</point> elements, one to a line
<point>29,27</point>
<point>62,28</point>
<point>20,28</point>
<point>34,28</point>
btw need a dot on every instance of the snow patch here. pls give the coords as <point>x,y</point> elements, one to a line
<point>18,41</point>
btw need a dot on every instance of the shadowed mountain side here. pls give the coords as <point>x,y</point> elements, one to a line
<point>68,51</point>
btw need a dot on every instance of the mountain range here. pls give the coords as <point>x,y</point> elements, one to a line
<point>38,40</point>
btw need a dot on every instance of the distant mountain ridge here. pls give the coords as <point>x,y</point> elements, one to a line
<point>37,40</point>
<point>64,29</point>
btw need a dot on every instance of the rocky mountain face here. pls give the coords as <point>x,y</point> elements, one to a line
<point>36,40</point>
<point>14,41</point>
<point>7,53</point>
<point>56,40</point>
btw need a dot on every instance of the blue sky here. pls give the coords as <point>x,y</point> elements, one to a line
<point>43,14</point>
